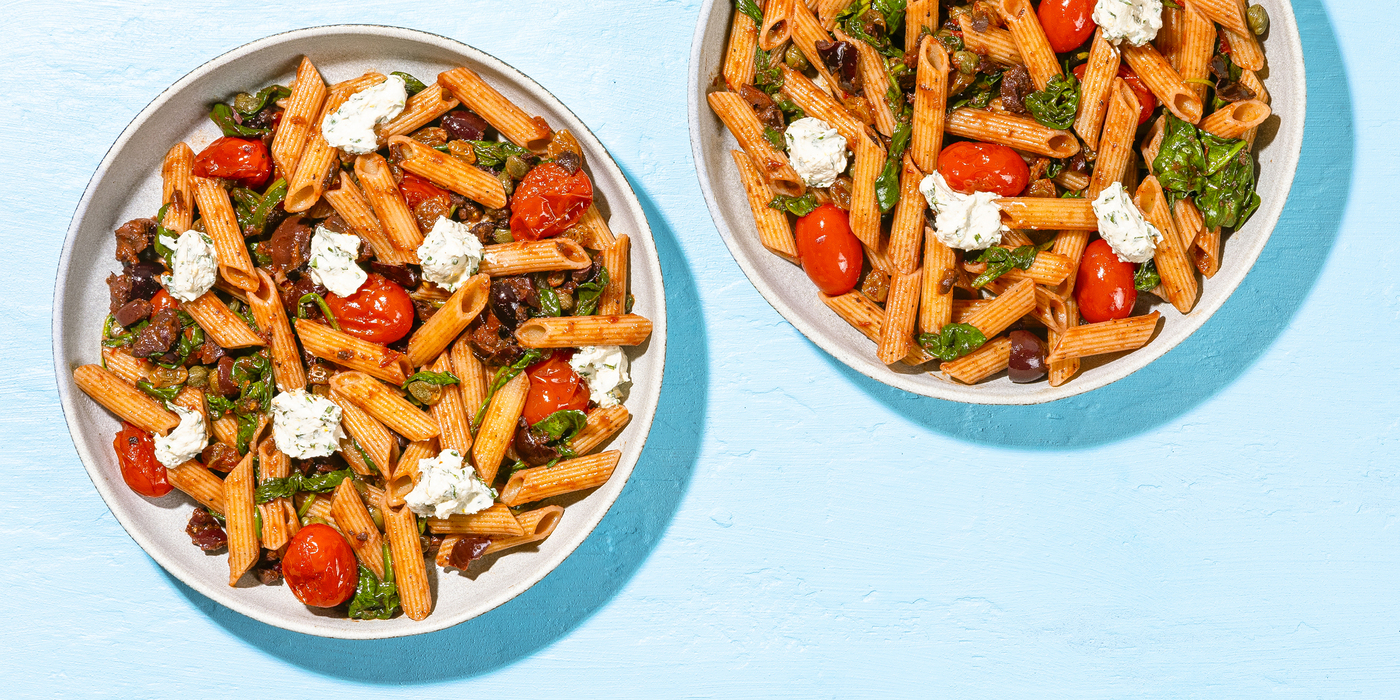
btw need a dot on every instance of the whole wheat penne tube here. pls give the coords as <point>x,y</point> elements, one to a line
<point>591,230</point>
<point>920,18</point>
<point>120,362</point>
<point>1163,80</point>
<point>1116,144</point>
<point>806,32</point>
<point>225,430</point>
<point>538,525</point>
<point>1168,39</point>
<point>872,72</point>
<point>578,331</point>
<point>1236,119</point>
<point>514,123</point>
<point>964,309</point>
<point>471,375</point>
<point>385,405</point>
<point>774,230</point>
<point>454,423</point>
<point>1046,213</point>
<point>240,523</point>
<point>129,403</point>
<point>1012,238</point>
<point>314,506</point>
<point>406,470</point>
<point>864,316</point>
<point>388,204</point>
<point>827,11</point>
<point>1030,39</point>
<point>1070,180</point>
<point>222,324</point>
<point>216,211</point>
<point>930,104</point>
<point>378,444</point>
<point>498,426</point>
<point>994,43</point>
<point>1043,311</point>
<point>771,162</point>
<point>430,103</point>
<point>530,485</point>
<point>198,483</point>
<point>447,171</point>
<point>816,103</point>
<point>739,53</point>
<point>271,317</point>
<point>865,208</point>
<point>1021,133</point>
<point>350,203</point>
<point>907,229</point>
<point>1226,13</point>
<point>303,105</point>
<point>1062,371</point>
<point>360,531</point>
<point>936,291</point>
<point>1245,50</point>
<point>1006,309</point>
<point>177,189</point>
<point>410,572</point>
<point>1151,142</point>
<point>496,520</point>
<point>524,257</point>
<point>901,316</point>
<point>1197,45</point>
<point>461,308</point>
<point>1049,268</point>
<point>1206,253</point>
<point>1173,264</point>
<point>613,302</point>
<point>348,351</point>
<point>981,363</point>
<point>319,158</point>
<point>775,29</point>
<point>279,517</point>
<point>1251,80</point>
<point>603,423</point>
<point>1099,75</point>
<point>1101,338</point>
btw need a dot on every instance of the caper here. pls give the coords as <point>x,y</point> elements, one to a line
<point>245,103</point>
<point>796,60</point>
<point>566,300</point>
<point>1258,19</point>
<point>426,393</point>
<point>966,62</point>
<point>516,167</point>
<point>198,376</point>
<point>503,235</point>
<point>168,376</point>
<point>506,182</point>
<point>462,149</point>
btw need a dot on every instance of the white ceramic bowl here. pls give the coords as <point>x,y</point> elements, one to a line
<point>127,186</point>
<point>790,292</point>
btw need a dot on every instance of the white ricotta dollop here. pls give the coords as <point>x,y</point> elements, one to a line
<point>333,263</point>
<point>450,254</point>
<point>351,126</point>
<point>816,151</point>
<point>1122,226</point>
<point>185,442</point>
<point>195,264</point>
<point>962,221</point>
<point>1133,21</point>
<point>604,367</point>
<point>305,425</point>
<point>446,487</point>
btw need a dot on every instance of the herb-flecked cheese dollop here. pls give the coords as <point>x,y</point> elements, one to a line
<point>446,487</point>
<point>305,425</point>
<point>1134,21</point>
<point>450,254</point>
<point>351,126</point>
<point>333,263</point>
<point>1123,227</point>
<point>185,442</point>
<point>195,265</point>
<point>962,221</point>
<point>815,151</point>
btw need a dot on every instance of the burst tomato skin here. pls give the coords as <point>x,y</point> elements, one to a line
<point>554,386</point>
<point>1144,96</point>
<point>243,161</point>
<point>161,301</point>
<point>971,166</point>
<point>831,255</point>
<point>547,201</point>
<point>320,567</point>
<point>1067,23</point>
<point>379,311</point>
<point>1104,288</point>
<point>417,190</point>
<point>136,454</point>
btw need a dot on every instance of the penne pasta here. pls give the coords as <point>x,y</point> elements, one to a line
<point>537,483</point>
<point>578,331</point>
<point>994,43</point>
<point>901,316</point>
<point>406,475</point>
<point>120,362</point>
<point>449,172</point>
<point>806,31</point>
<point>940,271</point>
<point>498,426</point>
<point>744,125</point>
<point>528,132</point>
<point>817,103</point>
<point>1118,335</point>
<point>348,351</point>
<point>410,573</point>
<point>524,257</point>
<point>907,229</point>
<point>1236,119</point>
<point>227,328</point>
<point>1197,45</point>
<point>271,317</point>
<point>438,332</point>
<point>1006,309</point>
<point>385,405</point>
<point>379,187</point>
<point>1178,275</point>
<point>430,103</point>
<point>591,231</point>
<point>930,103</point>
<point>872,72</point>
<point>496,520</point>
<point>1163,80</point>
<point>470,374</point>
<point>198,483</point>
<point>1021,133</point>
<point>318,159</point>
<point>865,208</point>
<point>350,203</point>
<point>864,316</point>
<point>603,423</point>
<point>302,107</point>
<point>359,529</point>
<point>1116,146</point>
<point>450,413</point>
<point>1100,75</point>
<point>216,211</point>
<point>920,19</point>
<point>775,29</point>
<point>241,524</point>
<point>1030,39</point>
<point>129,403</point>
<point>1045,213</point>
<point>177,188</point>
<point>980,363</point>
<point>774,230</point>
<point>538,524</point>
<point>613,301</point>
<point>739,54</point>
<point>367,434</point>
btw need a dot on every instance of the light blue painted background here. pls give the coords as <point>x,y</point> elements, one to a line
<point>1218,525</point>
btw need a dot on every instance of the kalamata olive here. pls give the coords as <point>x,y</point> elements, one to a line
<point>532,446</point>
<point>588,273</point>
<point>840,59</point>
<point>568,160</point>
<point>406,276</point>
<point>1258,19</point>
<point>145,280</point>
<point>465,125</point>
<point>1027,357</point>
<point>467,549</point>
<point>510,297</point>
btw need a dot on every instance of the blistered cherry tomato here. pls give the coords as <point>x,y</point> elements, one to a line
<point>136,453</point>
<point>163,300</point>
<point>1145,98</point>
<point>548,201</point>
<point>320,567</point>
<point>554,386</point>
<point>970,166</point>
<point>417,190</point>
<point>831,255</point>
<point>243,161</point>
<point>1067,23</point>
<point>379,311</point>
<point>1104,287</point>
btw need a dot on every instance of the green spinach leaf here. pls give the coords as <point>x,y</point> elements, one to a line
<point>412,84</point>
<point>295,483</point>
<point>375,599</point>
<point>167,393</point>
<point>1056,105</point>
<point>1146,278</point>
<point>797,206</point>
<point>954,341</point>
<point>587,294</point>
<point>1001,260</point>
<point>750,8</point>
<point>437,378</point>
<point>248,105</point>
<point>222,115</point>
<point>313,297</point>
<point>493,154</point>
<point>980,93</point>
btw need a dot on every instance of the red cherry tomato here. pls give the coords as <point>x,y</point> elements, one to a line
<point>554,386</point>
<point>548,201</point>
<point>831,255</point>
<point>970,166</point>
<point>379,311</point>
<point>417,190</point>
<point>320,567</point>
<point>136,453</point>
<point>1145,98</point>
<point>1104,287</point>
<point>244,161</point>
<point>163,300</point>
<point>1067,23</point>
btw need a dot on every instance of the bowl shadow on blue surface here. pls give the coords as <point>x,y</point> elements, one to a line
<point>586,580</point>
<point>1233,339</point>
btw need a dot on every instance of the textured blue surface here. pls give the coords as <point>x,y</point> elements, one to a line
<point>1217,525</point>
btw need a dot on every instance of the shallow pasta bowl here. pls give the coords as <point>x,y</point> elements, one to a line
<point>127,185</point>
<point>787,288</point>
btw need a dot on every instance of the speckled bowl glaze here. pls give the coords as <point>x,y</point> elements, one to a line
<point>127,185</point>
<point>790,292</point>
